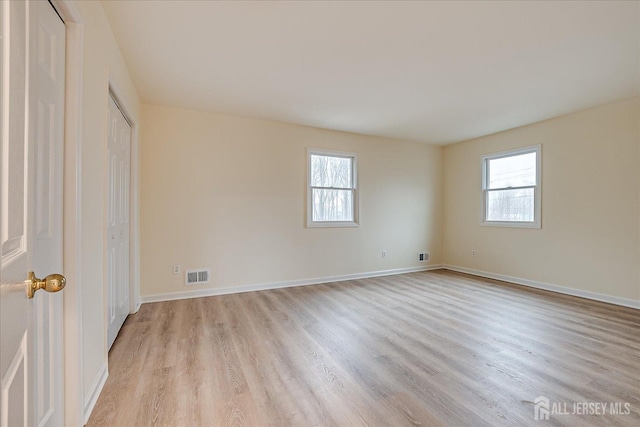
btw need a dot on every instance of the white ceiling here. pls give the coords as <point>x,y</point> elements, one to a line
<point>436,72</point>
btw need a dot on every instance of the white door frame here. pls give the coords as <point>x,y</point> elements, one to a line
<point>73,359</point>
<point>76,410</point>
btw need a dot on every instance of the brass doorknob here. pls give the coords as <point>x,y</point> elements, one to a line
<point>51,283</point>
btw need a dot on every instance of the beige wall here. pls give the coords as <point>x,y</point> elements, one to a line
<point>228,193</point>
<point>101,59</point>
<point>590,204</point>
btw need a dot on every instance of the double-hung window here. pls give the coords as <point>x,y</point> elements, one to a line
<point>332,200</point>
<point>511,188</point>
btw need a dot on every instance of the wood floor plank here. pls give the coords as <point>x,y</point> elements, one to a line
<point>430,348</point>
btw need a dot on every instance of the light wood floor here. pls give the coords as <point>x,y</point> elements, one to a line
<point>432,348</point>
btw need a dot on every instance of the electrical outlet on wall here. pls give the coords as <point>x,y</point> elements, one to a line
<point>384,254</point>
<point>473,252</point>
<point>176,268</point>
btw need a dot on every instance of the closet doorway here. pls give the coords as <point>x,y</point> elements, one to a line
<point>118,216</point>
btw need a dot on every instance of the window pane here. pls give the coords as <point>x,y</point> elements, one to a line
<point>328,171</point>
<point>513,171</point>
<point>332,205</point>
<point>511,205</point>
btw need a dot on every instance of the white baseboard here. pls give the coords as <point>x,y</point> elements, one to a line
<point>626,302</point>
<point>276,285</point>
<point>94,392</point>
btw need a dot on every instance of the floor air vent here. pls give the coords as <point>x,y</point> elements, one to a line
<point>197,277</point>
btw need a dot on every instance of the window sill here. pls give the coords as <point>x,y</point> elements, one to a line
<point>332,224</point>
<point>511,224</point>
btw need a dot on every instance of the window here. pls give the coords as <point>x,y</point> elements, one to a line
<point>511,188</point>
<point>332,200</point>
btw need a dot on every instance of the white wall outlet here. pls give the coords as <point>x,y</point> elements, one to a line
<point>384,254</point>
<point>473,252</point>
<point>176,268</point>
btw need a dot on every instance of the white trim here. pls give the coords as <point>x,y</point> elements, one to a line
<point>354,188</point>
<point>537,189</point>
<point>72,213</point>
<point>134,222</point>
<point>172,296</point>
<point>94,392</point>
<point>332,224</point>
<point>511,224</point>
<point>625,302</point>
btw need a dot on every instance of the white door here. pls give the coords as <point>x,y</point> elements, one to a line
<point>119,155</point>
<point>31,119</point>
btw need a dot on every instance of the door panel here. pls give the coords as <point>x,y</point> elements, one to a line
<point>14,262</point>
<point>47,128</point>
<point>14,149</point>
<point>46,125</point>
<point>119,153</point>
<point>31,207</point>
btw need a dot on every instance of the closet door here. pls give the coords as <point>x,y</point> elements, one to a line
<point>119,155</point>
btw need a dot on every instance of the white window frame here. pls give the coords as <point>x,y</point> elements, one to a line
<point>354,170</point>
<point>537,193</point>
